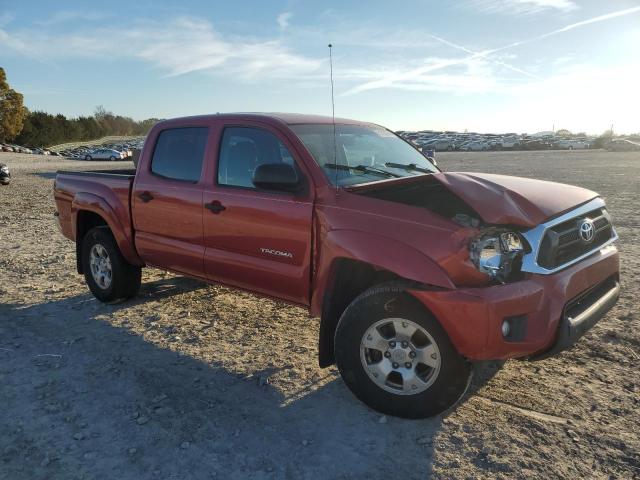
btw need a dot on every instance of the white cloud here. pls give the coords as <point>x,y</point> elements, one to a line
<point>70,16</point>
<point>599,18</point>
<point>283,20</point>
<point>497,61</point>
<point>579,97</point>
<point>395,78</point>
<point>178,47</point>
<point>522,7</point>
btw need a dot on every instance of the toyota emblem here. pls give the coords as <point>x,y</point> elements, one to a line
<point>587,230</point>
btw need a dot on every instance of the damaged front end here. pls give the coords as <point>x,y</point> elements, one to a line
<point>497,252</point>
<point>493,253</point>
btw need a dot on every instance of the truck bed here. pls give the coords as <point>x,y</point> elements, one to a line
<point>105,191</point>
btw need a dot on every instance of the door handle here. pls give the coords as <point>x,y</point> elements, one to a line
<point>215,206</point>
<point>145,197</point>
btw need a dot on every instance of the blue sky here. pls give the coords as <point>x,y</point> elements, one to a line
<point>480,65</point>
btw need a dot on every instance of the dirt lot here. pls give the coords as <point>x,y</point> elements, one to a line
<point>197,381</point>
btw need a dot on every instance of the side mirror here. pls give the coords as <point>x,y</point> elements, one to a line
<point>277,176</point>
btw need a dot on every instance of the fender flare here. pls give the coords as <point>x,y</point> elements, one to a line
<point>378,251</point>
<point>401,260</point>
<point>89,202</point>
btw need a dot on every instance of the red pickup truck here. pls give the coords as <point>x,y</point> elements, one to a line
<point>415,273</point>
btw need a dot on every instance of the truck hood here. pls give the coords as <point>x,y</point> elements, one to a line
<point>501,199</point>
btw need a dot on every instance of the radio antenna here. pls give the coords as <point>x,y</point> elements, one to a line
<point>333,119</point>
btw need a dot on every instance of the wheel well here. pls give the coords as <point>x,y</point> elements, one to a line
<point>349,279</point>
<point>86,221</point>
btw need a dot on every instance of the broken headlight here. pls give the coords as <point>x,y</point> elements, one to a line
<point>498,255</point>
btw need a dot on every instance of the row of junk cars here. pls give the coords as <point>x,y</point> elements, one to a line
<point>455,141</point>
<point>110,151</point>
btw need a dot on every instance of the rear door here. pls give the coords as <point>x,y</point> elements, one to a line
<point>167,200</point>
<point>257,239</point>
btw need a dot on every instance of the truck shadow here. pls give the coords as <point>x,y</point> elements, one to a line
<point>82,395</point>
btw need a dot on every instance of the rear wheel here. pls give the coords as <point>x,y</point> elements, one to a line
<point>88,157</point>
<point>112,158</point>
<point>108,275</point>
<point>395,357</point>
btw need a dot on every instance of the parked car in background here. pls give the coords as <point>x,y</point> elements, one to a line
<point>509,142</point>
<point>572,144</point>
<point>105,154</point>
<point>623,145</point>
<point>19,149</point>
<point>536,145</point>
<point>5,175</point>
<point>475,146</point>
<point>6,148</point>
<point>439,144</point>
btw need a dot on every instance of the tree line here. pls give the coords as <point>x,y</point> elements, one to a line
<point>44,129</point>
<point>41,129</point>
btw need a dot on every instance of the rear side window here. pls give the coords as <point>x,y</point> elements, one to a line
<point>179,153</point>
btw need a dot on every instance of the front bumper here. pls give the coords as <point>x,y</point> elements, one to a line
<point>583,313</point>
<point>473,317</point>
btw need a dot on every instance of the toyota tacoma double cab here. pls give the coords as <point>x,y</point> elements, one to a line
<point>416,274</point>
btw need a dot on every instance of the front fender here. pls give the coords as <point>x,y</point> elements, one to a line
<point>378,251</point>
<point>84,201</point>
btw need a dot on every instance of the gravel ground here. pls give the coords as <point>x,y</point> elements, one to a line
<point>197,381</point>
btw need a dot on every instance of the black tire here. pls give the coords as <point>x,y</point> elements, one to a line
<point>391,301</point>
<point>88,158</point>
<point>112,158</point>
<point>125,279</point>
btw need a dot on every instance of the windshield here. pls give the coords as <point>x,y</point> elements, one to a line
<point>361,154</point>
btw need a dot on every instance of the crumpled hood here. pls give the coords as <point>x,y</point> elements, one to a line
<point>501,199</point>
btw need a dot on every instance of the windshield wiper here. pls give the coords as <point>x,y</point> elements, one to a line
<point>410,166</point>
<point>363,168</point>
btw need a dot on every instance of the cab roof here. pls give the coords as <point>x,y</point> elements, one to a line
<point>283,118</point>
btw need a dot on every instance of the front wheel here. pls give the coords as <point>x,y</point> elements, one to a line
<point>88,158</point>
<point>395,357</point>
<point>108,275</point>
<point>112,158</point>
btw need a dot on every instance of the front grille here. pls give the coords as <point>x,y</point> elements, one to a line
<point>563,243</point>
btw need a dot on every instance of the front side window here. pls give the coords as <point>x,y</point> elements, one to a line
<point>243,149</point>
<point>179,153</point>
<point>361,153</point>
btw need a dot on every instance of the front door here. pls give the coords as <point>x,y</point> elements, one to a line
<point>257,239</point>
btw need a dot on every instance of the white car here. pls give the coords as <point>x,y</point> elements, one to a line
<point>509,142</point>
<point>475,146</point>
<point>105,154</point>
